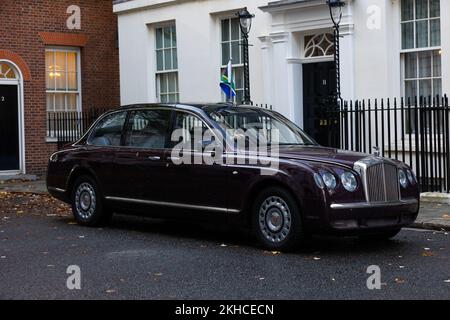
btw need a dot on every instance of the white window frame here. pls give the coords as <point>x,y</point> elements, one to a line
<point>159,73</point>
<point>78,91</point>
<point>237,66</point>
<point>418,50</point>
<point>418,78</point>
<point>414,21</point>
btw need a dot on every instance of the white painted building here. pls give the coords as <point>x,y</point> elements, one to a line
<point>175,50</point>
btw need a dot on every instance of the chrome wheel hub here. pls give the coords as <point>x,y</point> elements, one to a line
<point>275,219</point>
<point>85,200</point>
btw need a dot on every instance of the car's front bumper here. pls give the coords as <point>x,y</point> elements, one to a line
<point>364,217</point>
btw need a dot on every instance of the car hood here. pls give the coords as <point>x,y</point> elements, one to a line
<point>321,154</point>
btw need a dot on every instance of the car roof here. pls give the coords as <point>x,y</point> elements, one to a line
<point>187,106</point>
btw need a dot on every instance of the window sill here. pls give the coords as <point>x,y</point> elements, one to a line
<point>51,140</point>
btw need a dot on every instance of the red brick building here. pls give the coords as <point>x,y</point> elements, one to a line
<point>55,56</point>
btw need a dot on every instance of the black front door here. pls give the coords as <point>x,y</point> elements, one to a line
<point>319,85</point>
<point>9,128</point>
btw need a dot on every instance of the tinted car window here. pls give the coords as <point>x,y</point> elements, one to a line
<point>109,131</point>
<point>148,129</point>
<point>193,128</point>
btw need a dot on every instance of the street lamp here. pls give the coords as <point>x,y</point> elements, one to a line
<point>336,7</point>
<point>245,21</point>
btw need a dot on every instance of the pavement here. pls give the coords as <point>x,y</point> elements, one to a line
<point>25,186</point>
<point>434,211</point>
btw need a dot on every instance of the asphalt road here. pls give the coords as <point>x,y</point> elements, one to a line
<point>139,258</point>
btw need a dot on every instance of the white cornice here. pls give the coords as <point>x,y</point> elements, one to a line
<point>135,5</point>
<point>274,7</point>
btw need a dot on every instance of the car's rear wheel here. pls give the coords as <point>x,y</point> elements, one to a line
<point>276,219</point>
<point>87,203</point>
<point>380,236</point>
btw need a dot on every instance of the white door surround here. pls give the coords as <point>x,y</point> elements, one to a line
<point>16,80</point>
<point>285,48</point>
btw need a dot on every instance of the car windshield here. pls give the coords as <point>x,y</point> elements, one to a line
<point>239,120</point>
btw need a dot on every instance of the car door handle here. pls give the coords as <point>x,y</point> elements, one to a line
<point>154,158</point>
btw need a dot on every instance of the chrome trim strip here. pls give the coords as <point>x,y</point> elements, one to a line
<point>174,205</point>
<point>57,189</point>
<point>365,205</point>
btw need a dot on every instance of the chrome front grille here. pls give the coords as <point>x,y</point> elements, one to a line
<point>380,180</point>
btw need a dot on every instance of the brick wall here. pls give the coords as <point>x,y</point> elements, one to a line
<point>22,24</point>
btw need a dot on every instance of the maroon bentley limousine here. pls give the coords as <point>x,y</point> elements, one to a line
<point>128,162</point>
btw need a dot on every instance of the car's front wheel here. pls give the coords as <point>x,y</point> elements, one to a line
<point>87,204</point>
<point>276,219</point>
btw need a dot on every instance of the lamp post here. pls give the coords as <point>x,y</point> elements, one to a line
<point>336,7</point>
<point>245,21</point>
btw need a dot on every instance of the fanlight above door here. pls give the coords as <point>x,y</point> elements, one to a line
<point>319,45</point>
<point>7,71</point>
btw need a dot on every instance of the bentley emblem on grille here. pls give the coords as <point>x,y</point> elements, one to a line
<point>376,151</point>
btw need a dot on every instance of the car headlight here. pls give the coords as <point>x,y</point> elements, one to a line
<point>349,182</point>
<point>402,178</point>
<point>319,181</point>
<point>329,179</point>
<point>411,177</point>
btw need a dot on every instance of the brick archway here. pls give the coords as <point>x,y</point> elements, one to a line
<point>21,64</point>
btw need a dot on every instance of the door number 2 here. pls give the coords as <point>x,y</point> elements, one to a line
<point>2,98</point>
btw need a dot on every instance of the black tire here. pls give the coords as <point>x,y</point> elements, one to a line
<point>380,236</point>
<point>277,228</point>
<point>87,203</point>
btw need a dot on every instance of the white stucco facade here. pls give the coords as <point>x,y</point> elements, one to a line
<point>371,64</point>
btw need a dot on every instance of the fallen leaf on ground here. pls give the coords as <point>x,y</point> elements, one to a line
<point>110,291</point>
<point>447,281</point>
<point>399,280</point>
<point>317,258</point>
<point>275,252</point>
<point>427,254</point>
<point>223,245</point>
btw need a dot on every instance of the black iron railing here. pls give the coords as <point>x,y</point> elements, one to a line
<point>66,127</point>
<point>415,131</point>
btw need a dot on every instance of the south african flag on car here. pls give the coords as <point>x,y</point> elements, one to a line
<point>227,82</point>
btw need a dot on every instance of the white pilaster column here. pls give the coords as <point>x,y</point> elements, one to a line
<point>280,81</point>
<point>267,70</point>
<point>445,44</point>
<point>295,90</point>
<point>347,60</point>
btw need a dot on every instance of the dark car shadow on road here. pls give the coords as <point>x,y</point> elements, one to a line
<point>220,231</point>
